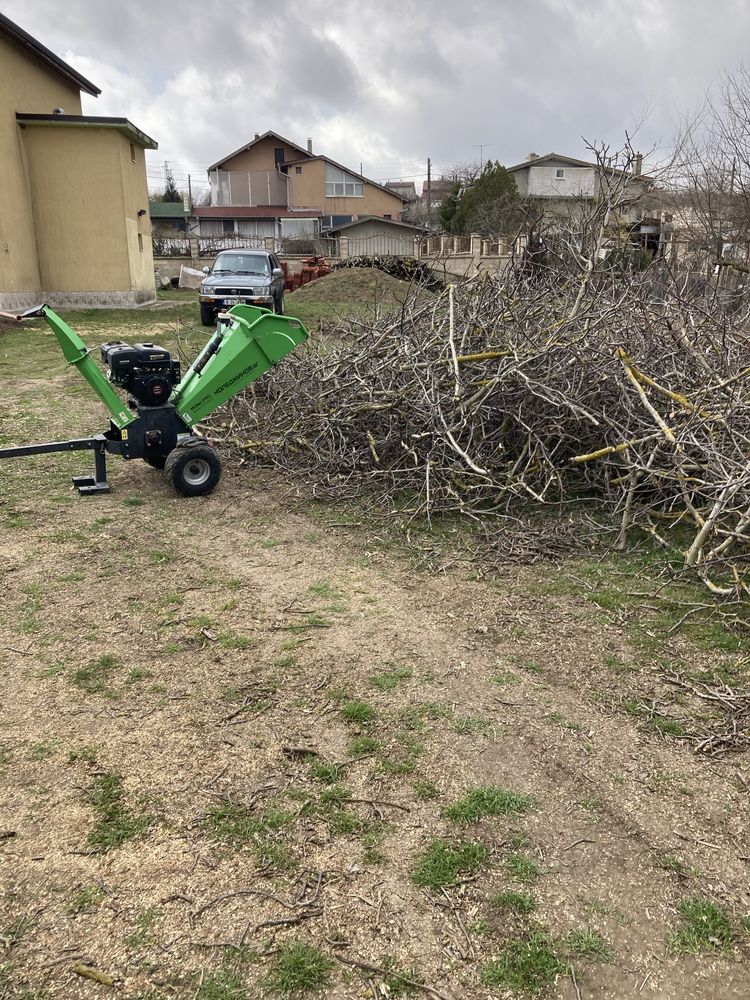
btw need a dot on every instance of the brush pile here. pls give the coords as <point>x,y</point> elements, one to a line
<point>627,392</point>
<point>403,268</point>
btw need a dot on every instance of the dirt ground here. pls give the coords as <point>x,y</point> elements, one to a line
<point>236,723</point>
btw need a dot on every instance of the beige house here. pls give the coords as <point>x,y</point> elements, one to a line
<point>74,224</point>
<point>563,182</point>
<point>273,187</point>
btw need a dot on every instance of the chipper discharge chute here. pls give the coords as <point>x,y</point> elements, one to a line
<point>162,408</point>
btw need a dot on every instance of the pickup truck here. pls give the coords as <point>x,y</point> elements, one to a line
<point>250,276</point>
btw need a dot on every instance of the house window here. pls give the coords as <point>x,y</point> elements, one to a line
<point>560,174</point>
<point>339,184</point>
<point>278,155</point>
<point>140,242</point>
<point>132,152</point>
<point>227,226</point>
<point>387,216</point>
<point>298,170</point>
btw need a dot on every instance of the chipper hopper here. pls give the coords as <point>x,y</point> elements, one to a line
<point>162,409</point>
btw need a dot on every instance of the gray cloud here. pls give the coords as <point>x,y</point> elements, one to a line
<point>393,82</point>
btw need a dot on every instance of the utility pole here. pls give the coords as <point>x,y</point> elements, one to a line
<point>190,195</point>
<point>429,192</point>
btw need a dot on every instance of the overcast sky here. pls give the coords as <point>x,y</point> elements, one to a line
<point>390,83</point>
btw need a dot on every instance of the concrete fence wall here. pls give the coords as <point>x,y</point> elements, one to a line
<point>449,256</point>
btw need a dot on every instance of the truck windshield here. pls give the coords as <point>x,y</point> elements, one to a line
<point>236,263</point>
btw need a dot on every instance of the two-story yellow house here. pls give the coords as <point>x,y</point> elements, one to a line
<point>74,224</point>
<point>273,187</point>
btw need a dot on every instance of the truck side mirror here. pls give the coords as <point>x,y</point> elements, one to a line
<point>206,270</point>
<point>276,272</point>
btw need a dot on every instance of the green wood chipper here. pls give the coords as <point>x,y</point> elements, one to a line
<point>157,423</point>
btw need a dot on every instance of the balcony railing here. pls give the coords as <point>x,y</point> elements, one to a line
<point>248,188</point>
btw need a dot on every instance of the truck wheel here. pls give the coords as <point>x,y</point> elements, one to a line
<point>208,316</point>
<point>193,469</point>
<point>155,461</point>
<point>278,305</point>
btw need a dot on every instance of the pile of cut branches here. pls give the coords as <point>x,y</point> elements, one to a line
<point>553,388</point>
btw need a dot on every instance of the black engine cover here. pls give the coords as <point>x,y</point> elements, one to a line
<point>146,370</point>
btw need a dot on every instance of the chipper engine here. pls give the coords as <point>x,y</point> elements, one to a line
<point>157,423</point>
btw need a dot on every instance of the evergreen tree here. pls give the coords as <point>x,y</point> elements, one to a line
<point>170,188</point>
<point>490,206</point>
<point>448,206</point>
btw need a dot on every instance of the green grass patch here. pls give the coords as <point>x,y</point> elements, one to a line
<point>489,801</point>
<point>444,861</point>
<point>390,677</point>
<point>526,964</point>
<point>83,755</point>
<point>519,903</point>
<point>522,868</point>
<point>230,640</point>
<point>470,725</point>
<point>298,969</point>
<point>357,711</point>
<point>115,821</point>
<point>226,984</point>
<point>95,677</point>
<point>503,678</point>
<point>86,897</point>
<point>267,833</point>
<point>672,864</point>
<point>425,790</point>
<point>589,943</point>
<point>706,927</point>
<point>144,922</point>
<point>361,745</point>
<point>327,774</point>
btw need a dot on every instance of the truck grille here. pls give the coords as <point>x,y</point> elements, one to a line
<point>233,291</point>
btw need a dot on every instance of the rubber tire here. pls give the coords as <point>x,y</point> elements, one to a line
<point>155,461</point>
<point>179,459</point>
<point>208,315</point>
<point>278,305</point>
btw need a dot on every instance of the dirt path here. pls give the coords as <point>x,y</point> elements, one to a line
<point>233,723</point>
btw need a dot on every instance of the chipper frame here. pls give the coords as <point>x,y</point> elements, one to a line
<point>157,423</point>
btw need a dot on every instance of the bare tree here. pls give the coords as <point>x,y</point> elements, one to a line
<point>710,179</point>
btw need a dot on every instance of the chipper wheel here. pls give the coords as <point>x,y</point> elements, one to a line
<point>193,468</point>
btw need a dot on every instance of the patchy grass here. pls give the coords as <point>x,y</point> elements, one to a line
<point>522,869</point>
<point>425,790</point>
<point>444,861</point>
<point>141,936</point>
<point>526,964</point>
<point>672,864</point>
<point>706,927</point>
<point>489,801</point>
<point>115,821</point>
<point>360,712</point>
<point>390,677</point>
<point>396,981</point>
<point>298,969</point>
<point>267,832</point>
<point>362,745</point>
<point>519,903</point>
<point>226,984</point>
<point>589,943</point>
<point>327,774</point>
<point>86,898</point>
<point>95,677</point>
